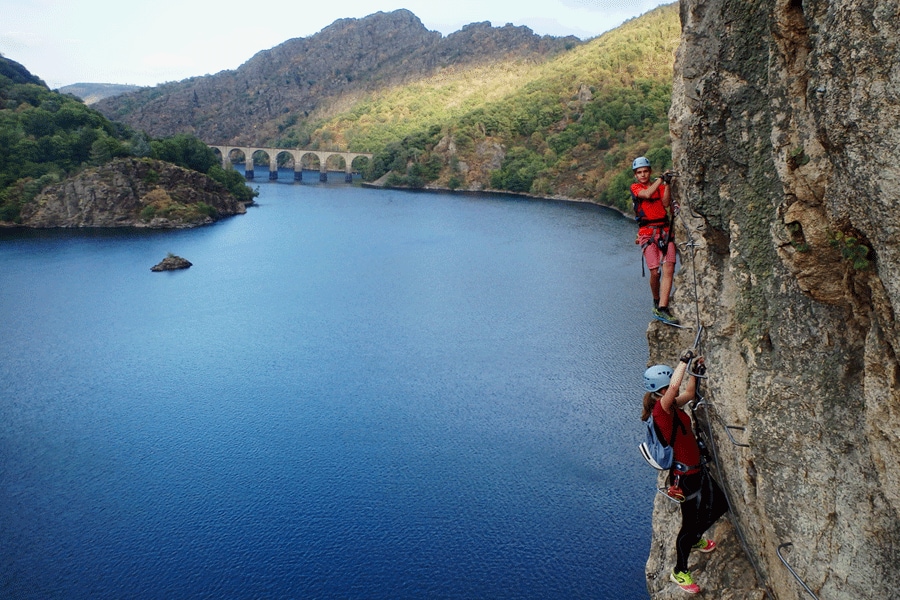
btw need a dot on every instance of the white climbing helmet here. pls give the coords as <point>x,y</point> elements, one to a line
<point>657,377</point>
<point>640,161</point>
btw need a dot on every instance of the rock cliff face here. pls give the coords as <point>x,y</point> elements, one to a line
<point>132,193</point>
<point>786,132</point>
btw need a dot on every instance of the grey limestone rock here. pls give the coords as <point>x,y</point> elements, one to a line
<point>786,131</point>
<point>132,192</point>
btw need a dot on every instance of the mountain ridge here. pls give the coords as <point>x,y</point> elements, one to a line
<point>92,93</point>
<point>348,56</point>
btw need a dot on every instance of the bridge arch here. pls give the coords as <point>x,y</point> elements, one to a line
<point>297,154</point>
<point>311,159</point>
<point>336,162</point>
<point>360,162</point>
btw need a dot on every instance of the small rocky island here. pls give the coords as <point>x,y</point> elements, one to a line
<point>171,263</point>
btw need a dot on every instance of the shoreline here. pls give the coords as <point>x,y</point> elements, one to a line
<point>466,192</point>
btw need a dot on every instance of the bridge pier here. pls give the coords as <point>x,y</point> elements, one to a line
<point>248,168</point>
<point>298,174</point>
<point>348,177</point>
<point>273,175</point>
<point>323,176</point>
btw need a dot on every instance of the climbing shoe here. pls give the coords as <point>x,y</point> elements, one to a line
<point>705,545</point>
<point>685,581</point>
<point>665,316</point>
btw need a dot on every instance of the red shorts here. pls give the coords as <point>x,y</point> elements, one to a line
<point>652,254</point>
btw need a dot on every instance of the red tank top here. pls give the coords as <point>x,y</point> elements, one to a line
<point>686,449</point>
<point>650,209</point>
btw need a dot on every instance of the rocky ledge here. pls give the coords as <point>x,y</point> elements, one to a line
<point>132,192</point>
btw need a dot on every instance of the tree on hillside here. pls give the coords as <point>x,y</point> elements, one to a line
<point>185,151</point>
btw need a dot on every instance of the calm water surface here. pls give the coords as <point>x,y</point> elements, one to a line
<point>351,394</point>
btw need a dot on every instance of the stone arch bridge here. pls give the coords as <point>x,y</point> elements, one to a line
<point>296,154</point>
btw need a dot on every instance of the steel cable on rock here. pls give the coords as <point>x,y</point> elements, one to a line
<point>701,401</point>
<point>708,433</point>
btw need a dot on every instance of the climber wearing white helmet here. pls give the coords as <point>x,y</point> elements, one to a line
<point>653,212</point>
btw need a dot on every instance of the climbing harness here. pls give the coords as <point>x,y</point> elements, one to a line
<point>663,232</point>
<point>674,492</point>
<point>661,236</point>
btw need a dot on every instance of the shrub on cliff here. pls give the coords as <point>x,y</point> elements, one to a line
<point>234,182</point>
<point>189,152</point>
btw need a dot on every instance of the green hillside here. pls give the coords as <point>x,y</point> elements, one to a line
<point>46,137</point>
<point>569,126</point>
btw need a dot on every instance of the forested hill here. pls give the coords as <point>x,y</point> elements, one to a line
<point>52,145</point>
<point>483,108</point>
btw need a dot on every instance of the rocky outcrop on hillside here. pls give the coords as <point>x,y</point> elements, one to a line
<point>301,75</point>
<point>785,130</point>
<point>132,193</point>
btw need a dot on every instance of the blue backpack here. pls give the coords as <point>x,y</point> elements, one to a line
<point>654,448</point>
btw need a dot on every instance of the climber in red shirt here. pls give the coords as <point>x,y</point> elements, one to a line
<point>652,206</point>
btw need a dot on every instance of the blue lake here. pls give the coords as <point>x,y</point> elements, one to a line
<point>352,394</point>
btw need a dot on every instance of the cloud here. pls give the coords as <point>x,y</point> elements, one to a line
<point>18,41</point>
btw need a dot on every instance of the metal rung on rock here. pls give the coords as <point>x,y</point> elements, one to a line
<point>725,425</point>
<point>793,572</point>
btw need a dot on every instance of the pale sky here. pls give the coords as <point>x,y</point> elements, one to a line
<point>144,42</point>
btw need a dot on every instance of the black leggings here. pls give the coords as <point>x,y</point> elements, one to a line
<point>698,513</point>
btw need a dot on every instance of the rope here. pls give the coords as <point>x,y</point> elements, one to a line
<point>693,245</point>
